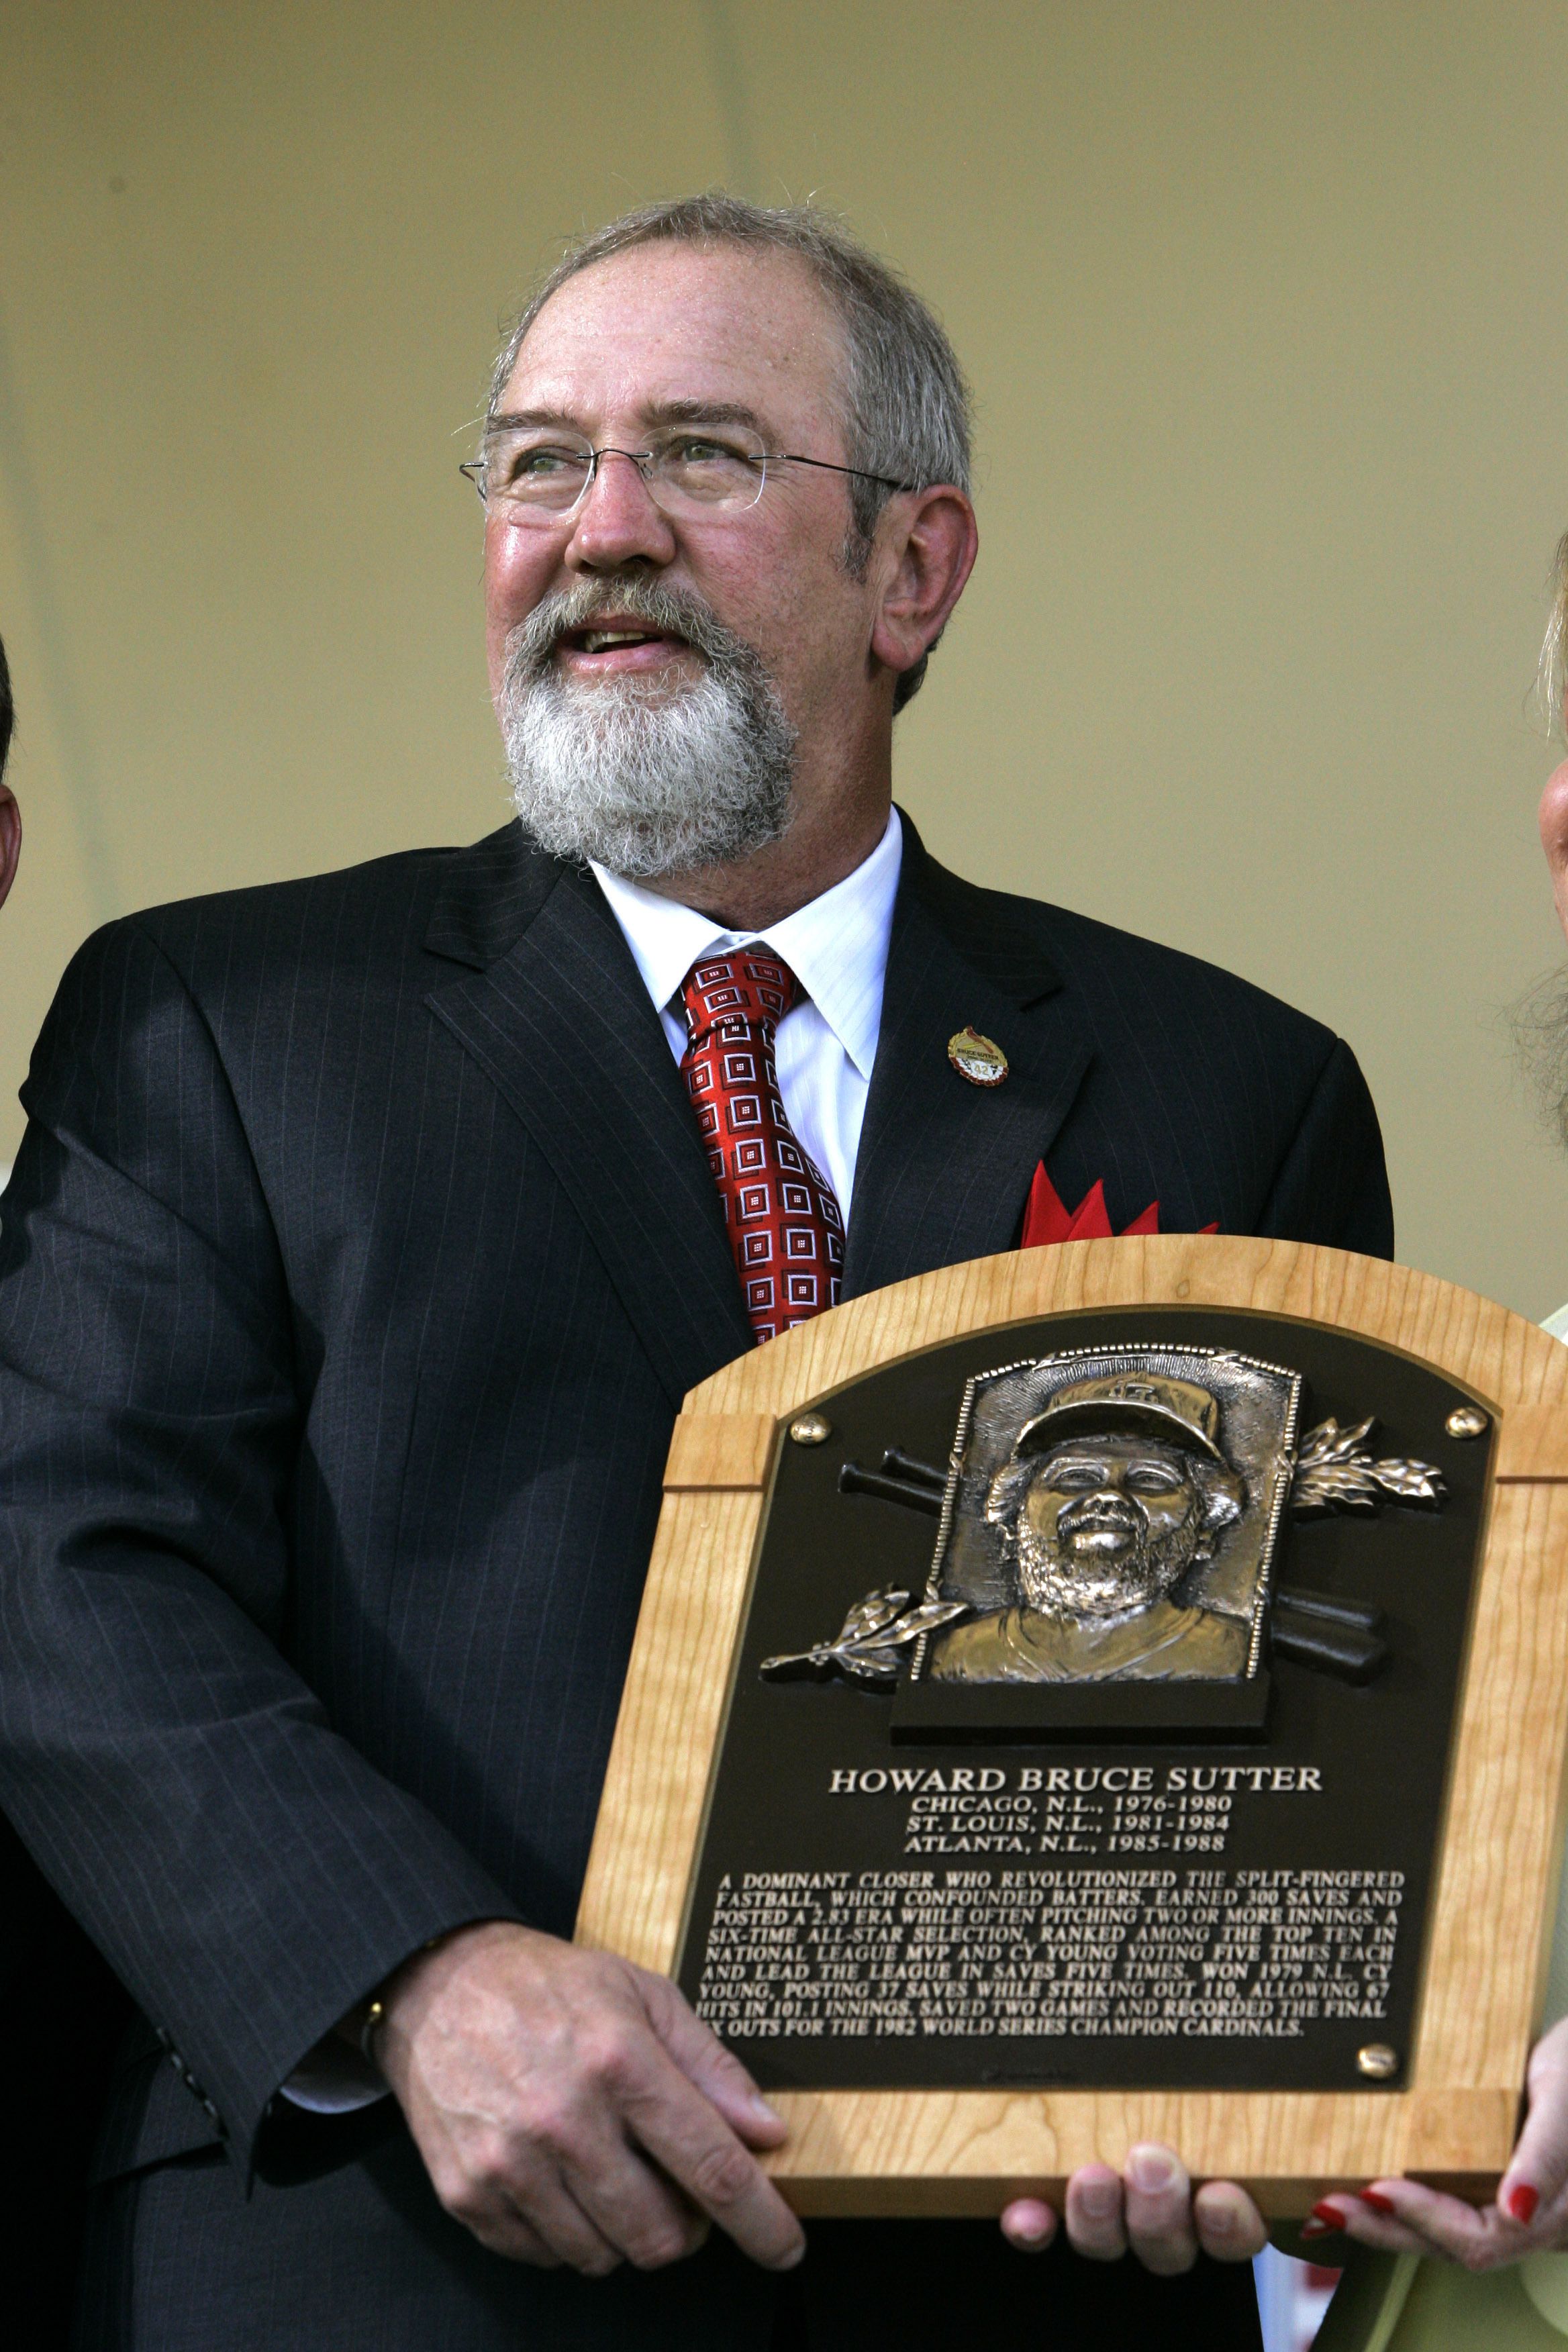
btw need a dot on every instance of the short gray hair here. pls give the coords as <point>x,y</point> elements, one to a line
<point>906,410</point>
<point>1552,682</point>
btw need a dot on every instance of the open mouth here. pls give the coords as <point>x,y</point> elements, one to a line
<point>1099,1540</point>
<point>1097,1527</point>
<point>598,642</point>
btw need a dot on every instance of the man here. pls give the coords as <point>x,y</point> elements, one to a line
<point>365,1239</point>
<point>1100,1526</point>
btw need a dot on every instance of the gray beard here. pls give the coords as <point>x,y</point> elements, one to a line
<point>1539,1023</point>
<point>640,776</point>
<point>1060,1585</point>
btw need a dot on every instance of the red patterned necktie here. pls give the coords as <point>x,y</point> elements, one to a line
<point>780,1214</point>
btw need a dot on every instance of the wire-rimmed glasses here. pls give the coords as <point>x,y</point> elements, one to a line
<point>533,474</point>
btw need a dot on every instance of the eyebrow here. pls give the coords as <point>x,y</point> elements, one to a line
<point>661,412</point>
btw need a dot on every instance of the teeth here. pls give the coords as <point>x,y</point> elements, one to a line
<point>597,639</point>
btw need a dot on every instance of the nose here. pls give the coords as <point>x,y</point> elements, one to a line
<point>1109,1495</point>
<point>617,523</point>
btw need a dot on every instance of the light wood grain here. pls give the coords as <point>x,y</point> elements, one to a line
<point>1534,1441</point>
<point>1503,1835</point>
<point>719,1449</point>
<point>650,1817</point>
<point>970,2151</point>
<point>946,2152</point>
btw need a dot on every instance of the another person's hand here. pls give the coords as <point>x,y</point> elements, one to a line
<point>1529,2216</point>
<point>1152,2210</point>
<point>571,2109</point>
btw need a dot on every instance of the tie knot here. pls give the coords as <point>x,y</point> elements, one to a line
<point>747,987</point>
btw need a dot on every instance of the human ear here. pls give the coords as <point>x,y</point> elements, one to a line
<point>927,543</point>
<point>10,839</point>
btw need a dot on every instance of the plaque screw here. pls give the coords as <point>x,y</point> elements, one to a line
<point>1376,2059</point>
<point>811,1429</point>
<point>1467,1420</point>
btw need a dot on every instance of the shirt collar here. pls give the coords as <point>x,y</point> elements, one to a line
<point>836,945</point>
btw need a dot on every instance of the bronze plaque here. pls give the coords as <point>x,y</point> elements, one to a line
<point>1091,1714</point>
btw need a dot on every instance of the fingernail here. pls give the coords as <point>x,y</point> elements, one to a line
<point>1101,2198</point>
<point>1521,2201</point>
<point>1151,2170</point>
<point>1031,2232</point>
<point>1377,2200</point>
<point>760,2109</point>
<point>1326,2216</point>
<point>1313,2229</point>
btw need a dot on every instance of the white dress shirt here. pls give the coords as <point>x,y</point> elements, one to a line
<point>836,947</point>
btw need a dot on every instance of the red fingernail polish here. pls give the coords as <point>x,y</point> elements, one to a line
<point>1377,2200</point>
<point>1313,2229</point>
<point>1522,2201</point>
<point>1328,2215</point>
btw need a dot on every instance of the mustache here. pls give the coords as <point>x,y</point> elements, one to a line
<point>1102,1510</point>
<point>627,772</point>
<point>668,612</point>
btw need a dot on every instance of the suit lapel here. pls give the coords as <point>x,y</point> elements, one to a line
<point>945,1166</point>
<point>561,1023</point>
<point>559,1020</point>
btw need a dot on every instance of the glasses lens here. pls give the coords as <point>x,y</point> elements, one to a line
<point>690,470</point>
<point>537,471</point>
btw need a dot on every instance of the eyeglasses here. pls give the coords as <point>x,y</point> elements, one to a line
<point>534,476</point>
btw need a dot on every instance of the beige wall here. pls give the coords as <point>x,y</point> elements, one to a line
<point>1264,306</point>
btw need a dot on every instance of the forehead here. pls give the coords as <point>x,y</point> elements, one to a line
<point>663,323</point>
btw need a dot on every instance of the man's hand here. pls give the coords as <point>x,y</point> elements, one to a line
<point>571,2109</point>
<point>1529,2215</point>
<point>1151,2210</point>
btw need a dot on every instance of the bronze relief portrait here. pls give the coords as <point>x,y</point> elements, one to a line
<point>1112,1515</point>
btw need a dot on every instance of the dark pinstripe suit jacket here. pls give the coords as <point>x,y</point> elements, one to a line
<point>358,1256</point>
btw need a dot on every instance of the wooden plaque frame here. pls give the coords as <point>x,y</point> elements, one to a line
<point>1494,1900</point>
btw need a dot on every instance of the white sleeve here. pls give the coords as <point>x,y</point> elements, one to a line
<point>334,2080</point>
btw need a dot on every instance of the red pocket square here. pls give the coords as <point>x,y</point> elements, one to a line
<point>1047,1217</point>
